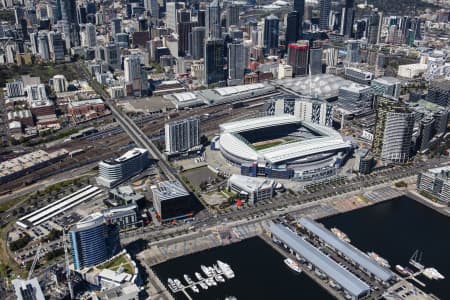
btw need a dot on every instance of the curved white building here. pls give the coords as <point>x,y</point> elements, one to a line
<point>283,147</point>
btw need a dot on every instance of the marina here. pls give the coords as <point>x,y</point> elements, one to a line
<point>213,276</point>
<point>386,220</point>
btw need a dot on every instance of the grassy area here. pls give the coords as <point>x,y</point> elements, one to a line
<point>7,205</point>
<point>267,145</point>
<point>44,71</point>
<point>429,196</point>
<point>363,198</point>
<point>115,263</point>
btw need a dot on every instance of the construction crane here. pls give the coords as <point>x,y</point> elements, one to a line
<point>35,260</point>
<point>66,257</point>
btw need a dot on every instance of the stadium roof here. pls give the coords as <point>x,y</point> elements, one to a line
<point>337,273</point>
<point>235,144</point>
<point>322,86</point>
<point>257,123</point>
<point>351,252</point>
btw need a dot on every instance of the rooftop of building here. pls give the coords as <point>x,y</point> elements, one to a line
<point>322,86</point>
<point>86,102</point>
<point>166,190</point>
<point>251,183</point>
<point>28,160</point>
<point>353,253</point>
<point>28,289</point>
<point>387,80</point>
<point>442,172</point>
<point>332,269</point>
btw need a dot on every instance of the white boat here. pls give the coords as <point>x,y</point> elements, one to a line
<point>217,269</point>
<point>341,235</point>
<point>208,281</point>
<point>379,259</point>
<point>203,285</point>
<point>226,269</point>
<point>293,265</point>
<point>401,270</point>
<point>432,273</point>
<point>212,271</point>
<point>199,276</point>
<point>212,281</point>
<point>188,279</point>
<point>195,289</point>
<point>172,284</point>
<point>178,283</point>
<point>219,278</point>
<point>206,270</point>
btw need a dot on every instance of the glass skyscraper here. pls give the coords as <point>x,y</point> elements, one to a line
<point>93,241</point>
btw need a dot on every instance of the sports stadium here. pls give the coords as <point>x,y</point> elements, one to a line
<point>283,146</point>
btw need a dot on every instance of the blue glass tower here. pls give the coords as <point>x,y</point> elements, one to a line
<point>93,241</point>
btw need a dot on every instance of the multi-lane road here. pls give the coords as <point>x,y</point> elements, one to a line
<point>269,208</point>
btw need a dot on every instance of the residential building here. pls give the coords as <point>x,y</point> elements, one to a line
<point>386,86</point>
<point>93,241</point>
<point>356,99</point>
<point>439,92</point>
<point>393,130</point>
<point>114,171</point>
<point>236,63</point>
<point>324,19</point>
<point>182,135</point>
<point>298,55</point>
<point>435,183</point>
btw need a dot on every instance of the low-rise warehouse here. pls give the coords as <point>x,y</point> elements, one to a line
<point>19,166</point>
<point>349,282</point>
<point>53,209</point>
<point>364,262</point>
<point>219,95</point>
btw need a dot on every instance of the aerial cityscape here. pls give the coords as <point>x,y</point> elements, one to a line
<point>224,149</point>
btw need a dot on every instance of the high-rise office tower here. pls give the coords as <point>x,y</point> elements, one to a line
<point>171,15</point>
<point>298,57</point>
<point>348,16</point>
<point>374,27</point>
<point>236,63</point>
<point>315,58</point>
<point>182,135</point>
<point>132,68</point>
<point>201,17</point>
<point>184,31</point>
<point>197,45</point>
<point>271,33</point>
<point>90,35</point>
<point>233,11</point>
<point>57,46</point>
<point>69,15</point>
<point>116,27</point>
<point>214,61</point>
<point>44,50</point>
<point>81,14</point>
<point>439,92</point>
<point>212,20</point>
<point>393,130</point>
<point>93,241</point>
<point>292,29</point>
<point>299,7</point>
<point>352,51</point>
<point>325,8</point>
<point>153,7</point>
<point>183,15</point>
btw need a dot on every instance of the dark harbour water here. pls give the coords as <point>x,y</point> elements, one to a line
<point>394,229</point>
